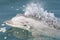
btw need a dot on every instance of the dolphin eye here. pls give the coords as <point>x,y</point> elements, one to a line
<point>24,25</point>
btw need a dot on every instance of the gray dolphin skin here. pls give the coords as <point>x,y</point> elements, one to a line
<point>36,20</point>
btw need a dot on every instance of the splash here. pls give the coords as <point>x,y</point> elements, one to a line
<point>37,20</point>
<point>3,29</point>
<point>35,10</point>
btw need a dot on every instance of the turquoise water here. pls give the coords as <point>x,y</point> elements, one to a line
<point>8,9</point>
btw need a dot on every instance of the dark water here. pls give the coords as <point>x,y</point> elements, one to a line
<point>9,8</point>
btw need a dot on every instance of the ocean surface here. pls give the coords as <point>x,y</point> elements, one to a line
<point>9,8</point>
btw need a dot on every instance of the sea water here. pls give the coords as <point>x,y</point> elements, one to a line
<point>9,9</point>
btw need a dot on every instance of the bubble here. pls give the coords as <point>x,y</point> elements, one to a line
<point>17,9</point>
<point>5,37</point>
<point>12,7</point>
<point>2,24</point>
<point>23,5</point>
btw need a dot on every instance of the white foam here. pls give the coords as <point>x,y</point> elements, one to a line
<point>3,29</point>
